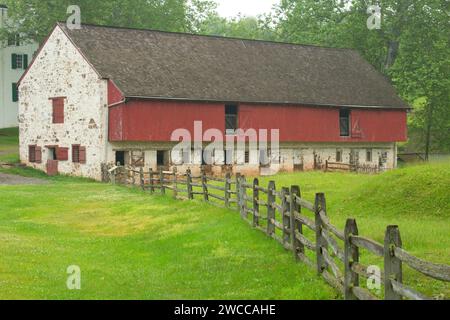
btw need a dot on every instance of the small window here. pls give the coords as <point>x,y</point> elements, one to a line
<point>231,119</point>
<point>344,121</point>
<point>32,154</point>
<point>369,156</point>
<point>15,93</point>
<point>13,39</point>
<point>161,156</point>
<point>58,110</point>
<point>338,155</point>
<point>247,157</point>
<point>19,61</point>
<point>120,158</point>
<point>76,154</point>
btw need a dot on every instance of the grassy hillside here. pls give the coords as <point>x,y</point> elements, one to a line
<point>415,198</point>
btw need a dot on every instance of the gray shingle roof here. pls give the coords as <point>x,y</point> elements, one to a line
<point>156,64</point>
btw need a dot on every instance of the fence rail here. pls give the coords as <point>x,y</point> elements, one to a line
<point>283,215</point>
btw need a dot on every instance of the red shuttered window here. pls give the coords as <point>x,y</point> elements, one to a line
<point>34,154</point>
<point>58,110</point>
<point>78,154</point>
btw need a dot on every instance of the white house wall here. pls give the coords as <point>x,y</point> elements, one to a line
<point>61,71</point>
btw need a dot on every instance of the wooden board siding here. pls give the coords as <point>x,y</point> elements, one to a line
<point>140,120</point>
<point>151,120</point>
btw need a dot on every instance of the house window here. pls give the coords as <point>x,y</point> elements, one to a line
<point>369,156</point>
<point>19,61</point>
<point>15,92</point>
<point>338,155</point>
<point>344,121</point>
<point>13,39</point>
<point>58,110</point>
<point>32,154</point>
<point>231,119</point>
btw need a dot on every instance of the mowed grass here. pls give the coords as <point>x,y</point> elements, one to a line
<point>9,145</point>
<point>416,198</point>
<point>133,246</point>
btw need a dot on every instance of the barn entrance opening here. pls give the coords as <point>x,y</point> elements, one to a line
<point>52,162</point>
<point>120,158</point>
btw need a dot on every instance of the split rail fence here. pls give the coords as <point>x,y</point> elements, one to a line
<point>303,228</point>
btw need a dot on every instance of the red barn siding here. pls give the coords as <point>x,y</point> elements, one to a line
<point>114,94</point>
<point>319,124</point>
<point>140,120</point>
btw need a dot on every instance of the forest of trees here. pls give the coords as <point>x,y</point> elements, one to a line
<point>412,47</point>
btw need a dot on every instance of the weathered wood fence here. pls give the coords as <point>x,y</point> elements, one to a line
<point>303,228</point>
<point>340,166</point>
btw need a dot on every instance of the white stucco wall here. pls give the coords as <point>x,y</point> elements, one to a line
<point>61,71</point>
<point>8,76</point>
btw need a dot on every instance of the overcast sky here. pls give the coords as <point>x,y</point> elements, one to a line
<point>231,8</point>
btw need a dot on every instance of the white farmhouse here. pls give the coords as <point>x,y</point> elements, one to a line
<point>14,58</point>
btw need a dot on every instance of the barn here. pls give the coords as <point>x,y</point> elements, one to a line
<point>97,96</point>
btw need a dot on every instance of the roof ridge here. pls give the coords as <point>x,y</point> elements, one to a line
<point>214,36</point>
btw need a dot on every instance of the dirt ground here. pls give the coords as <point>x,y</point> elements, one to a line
<point>8,179</point>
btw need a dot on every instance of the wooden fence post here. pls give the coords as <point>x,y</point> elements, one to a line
<point>320,205</point>
<point>270,208</point>
<point>175,187</point>
<point>285,214</point>
<point>161,181</point>
<point>227,189</point>
<point>141,177</point>
<point>351,255</point>
<point>256,202</point>
<point>296,225</point>
<point>392,265</point>
<point>152,186</point>
<point>243,196</point>
<point>204,185</point>
<point>238,188</point>
<point>189,184</point>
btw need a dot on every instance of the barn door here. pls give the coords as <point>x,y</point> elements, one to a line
<point>52,167</point>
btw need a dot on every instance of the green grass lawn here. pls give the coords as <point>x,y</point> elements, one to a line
<point>9,142</point>
<point>130,245</point>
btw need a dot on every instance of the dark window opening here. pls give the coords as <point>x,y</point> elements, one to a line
<point>344,122</point>
<point>13,39</point>
<point>120,158</point>
<point>247,157</point>
<point>52,153</point>
<point>338,156</point>
<point>369,156</point>
<point>231,119</point>
<point>161,158</point>
<point>76,154</point>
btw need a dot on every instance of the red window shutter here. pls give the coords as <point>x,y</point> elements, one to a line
<point>82,155</point>
<point>62,154</point>
<point>32,153</point>
<point>38,155</point>
<point>58,110</point>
